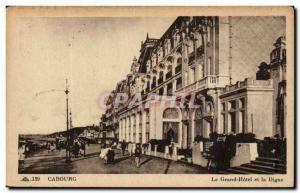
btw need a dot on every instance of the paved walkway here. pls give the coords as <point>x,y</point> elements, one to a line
<point>54,163</point>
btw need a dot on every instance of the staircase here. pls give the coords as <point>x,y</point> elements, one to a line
<point>262,165</point>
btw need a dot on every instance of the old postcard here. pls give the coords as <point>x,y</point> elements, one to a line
<point>150,97</point>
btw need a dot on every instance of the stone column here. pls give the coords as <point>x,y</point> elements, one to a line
<point>143,127</point>
<point>131,128</point>
<point>174,86</point>
<point>120,129</point>
<point>124,128</point>
<point>137,127</point>
<point>127,129</point>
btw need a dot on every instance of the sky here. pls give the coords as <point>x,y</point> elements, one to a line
<point>93,53</point>
<point>96,53</point>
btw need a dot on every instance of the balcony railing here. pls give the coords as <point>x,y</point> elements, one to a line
<point>206,82</point>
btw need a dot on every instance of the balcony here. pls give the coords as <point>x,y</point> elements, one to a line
<point>205,83</point>
<point>178,69</point>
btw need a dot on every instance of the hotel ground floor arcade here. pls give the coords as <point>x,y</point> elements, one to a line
<point>174,120</point>
<point>240,108</point>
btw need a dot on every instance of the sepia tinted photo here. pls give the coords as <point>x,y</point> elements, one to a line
<point>121,93</point>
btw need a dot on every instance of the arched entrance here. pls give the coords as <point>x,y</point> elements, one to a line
<point>171,125</point>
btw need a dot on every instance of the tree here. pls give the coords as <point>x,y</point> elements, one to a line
<point>263,72</point>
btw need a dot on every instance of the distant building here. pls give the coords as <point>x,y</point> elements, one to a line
<point>108,130</point>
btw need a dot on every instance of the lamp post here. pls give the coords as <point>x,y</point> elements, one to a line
<point>68,158</point>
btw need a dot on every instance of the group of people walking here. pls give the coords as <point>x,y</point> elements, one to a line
<point>78,148</point>
<point>108,154</point>
<point>133,150</point>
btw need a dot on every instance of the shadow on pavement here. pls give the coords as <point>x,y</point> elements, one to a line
<point>144,162</point>
<point>87,156</point>
<point>168,165</point>
<point>121,159</point>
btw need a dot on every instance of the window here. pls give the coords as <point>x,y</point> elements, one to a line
<point>171,113</point>
<point>170,131</point>
<point>161,91</point>
<point>161,77</point>
<point>231,122</point>
<point>242,103</point>
<point>153,82</point>
<point>178,69</point>
<point>169,74</point>
<point>178,83</point>
<point>231,106</point>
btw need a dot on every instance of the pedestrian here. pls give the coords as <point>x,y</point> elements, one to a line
<point>21,152</point>
<point>171,148</point>
<point>82,148</point>
<point>27,149</point>
<point>76,149</point>
<point>52,147</point>
<point>123,147</point>
<point>110,156</point>
<point>130,148</point>
<point>137,154</point>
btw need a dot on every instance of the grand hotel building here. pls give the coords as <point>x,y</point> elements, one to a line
<point>201,56</point>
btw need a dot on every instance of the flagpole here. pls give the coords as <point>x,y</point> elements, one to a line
<point>68,158</point>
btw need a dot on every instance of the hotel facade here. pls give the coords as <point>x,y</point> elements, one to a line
<point>196,61</point>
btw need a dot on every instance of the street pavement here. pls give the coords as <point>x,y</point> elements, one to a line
<point>54,163</point>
